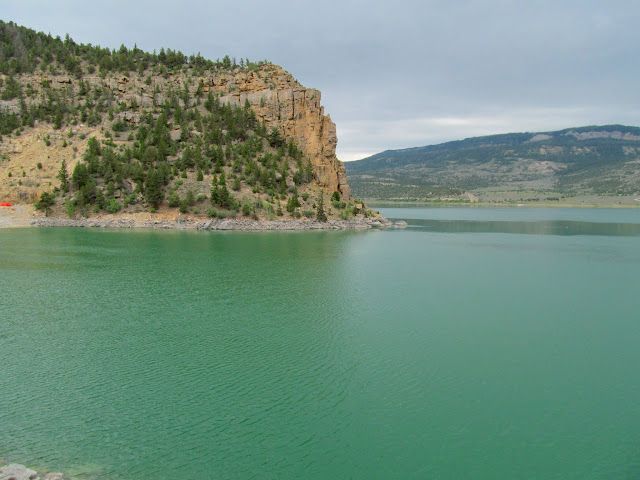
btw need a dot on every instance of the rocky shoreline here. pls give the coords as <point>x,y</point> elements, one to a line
<point>217,224</point>
<point>20,472</point>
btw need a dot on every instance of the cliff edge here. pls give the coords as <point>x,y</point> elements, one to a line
<point>86,131</point>
<point>281,102</point>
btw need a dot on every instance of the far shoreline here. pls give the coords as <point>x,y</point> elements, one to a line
<point>391,204</point>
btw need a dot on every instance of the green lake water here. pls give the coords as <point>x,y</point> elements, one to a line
<point>474,344</point>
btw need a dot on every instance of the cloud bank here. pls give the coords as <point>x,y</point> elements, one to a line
<point>405,73</point>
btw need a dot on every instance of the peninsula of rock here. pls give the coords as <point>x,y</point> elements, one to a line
<point>87,132</point>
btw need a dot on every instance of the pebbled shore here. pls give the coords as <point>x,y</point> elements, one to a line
<point>215,224</point>
<point>20,472</point>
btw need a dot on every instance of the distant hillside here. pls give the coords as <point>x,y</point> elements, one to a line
<point>595,160</point>
<point>93,131</point>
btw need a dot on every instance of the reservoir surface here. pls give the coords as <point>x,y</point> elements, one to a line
<point>477,343</point>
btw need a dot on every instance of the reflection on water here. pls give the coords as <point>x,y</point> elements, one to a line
<point>553,227</point>
<point>624,222</point>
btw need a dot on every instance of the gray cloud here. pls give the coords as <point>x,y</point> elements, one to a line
<point>405,73</point>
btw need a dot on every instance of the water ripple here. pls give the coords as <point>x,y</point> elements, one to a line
<point>152,355</point>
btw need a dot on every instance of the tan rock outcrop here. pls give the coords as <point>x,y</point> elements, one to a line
<point>274,95</point>
<point>281,102</point>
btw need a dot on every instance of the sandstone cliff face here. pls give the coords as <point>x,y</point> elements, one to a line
<point>296,111</point>
<point>274,95</point>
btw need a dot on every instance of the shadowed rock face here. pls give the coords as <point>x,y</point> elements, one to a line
<point>279,100</point>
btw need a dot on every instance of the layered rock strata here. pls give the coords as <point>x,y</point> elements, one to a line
<point>274,95</point>
<point>281,102</point>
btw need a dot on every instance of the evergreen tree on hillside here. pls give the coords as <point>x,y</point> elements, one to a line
<point>321,214</point>
<point>63,176</point>
<point>47,200</point>
<point>154,188</point>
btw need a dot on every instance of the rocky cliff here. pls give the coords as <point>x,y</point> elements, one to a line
<point>87,131</point>
<point>273,94</point>
<point>279,100</point>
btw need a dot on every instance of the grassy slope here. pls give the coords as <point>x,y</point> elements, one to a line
<point>567,166</point>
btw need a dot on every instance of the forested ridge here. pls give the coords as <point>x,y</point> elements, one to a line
<point>592,160</point>
<point>163,136</point>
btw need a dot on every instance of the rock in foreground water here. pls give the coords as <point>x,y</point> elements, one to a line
<point>20,472</point>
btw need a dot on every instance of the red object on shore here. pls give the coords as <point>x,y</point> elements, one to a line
<point>5,205</point>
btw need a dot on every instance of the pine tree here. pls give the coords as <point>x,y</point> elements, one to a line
<point>154,191</point>
<point>293,203</point>
<point>47,200</point>
<point>57,122</point>
<point>215,191</point>
<point>63,176</point>
<point>321,215</point>
<point>215,194</point>
<point>224,197</point>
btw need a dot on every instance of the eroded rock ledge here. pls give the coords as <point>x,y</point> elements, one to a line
<point>296,111</point>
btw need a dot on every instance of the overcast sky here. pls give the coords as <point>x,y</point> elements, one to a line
<point>397,74</point>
